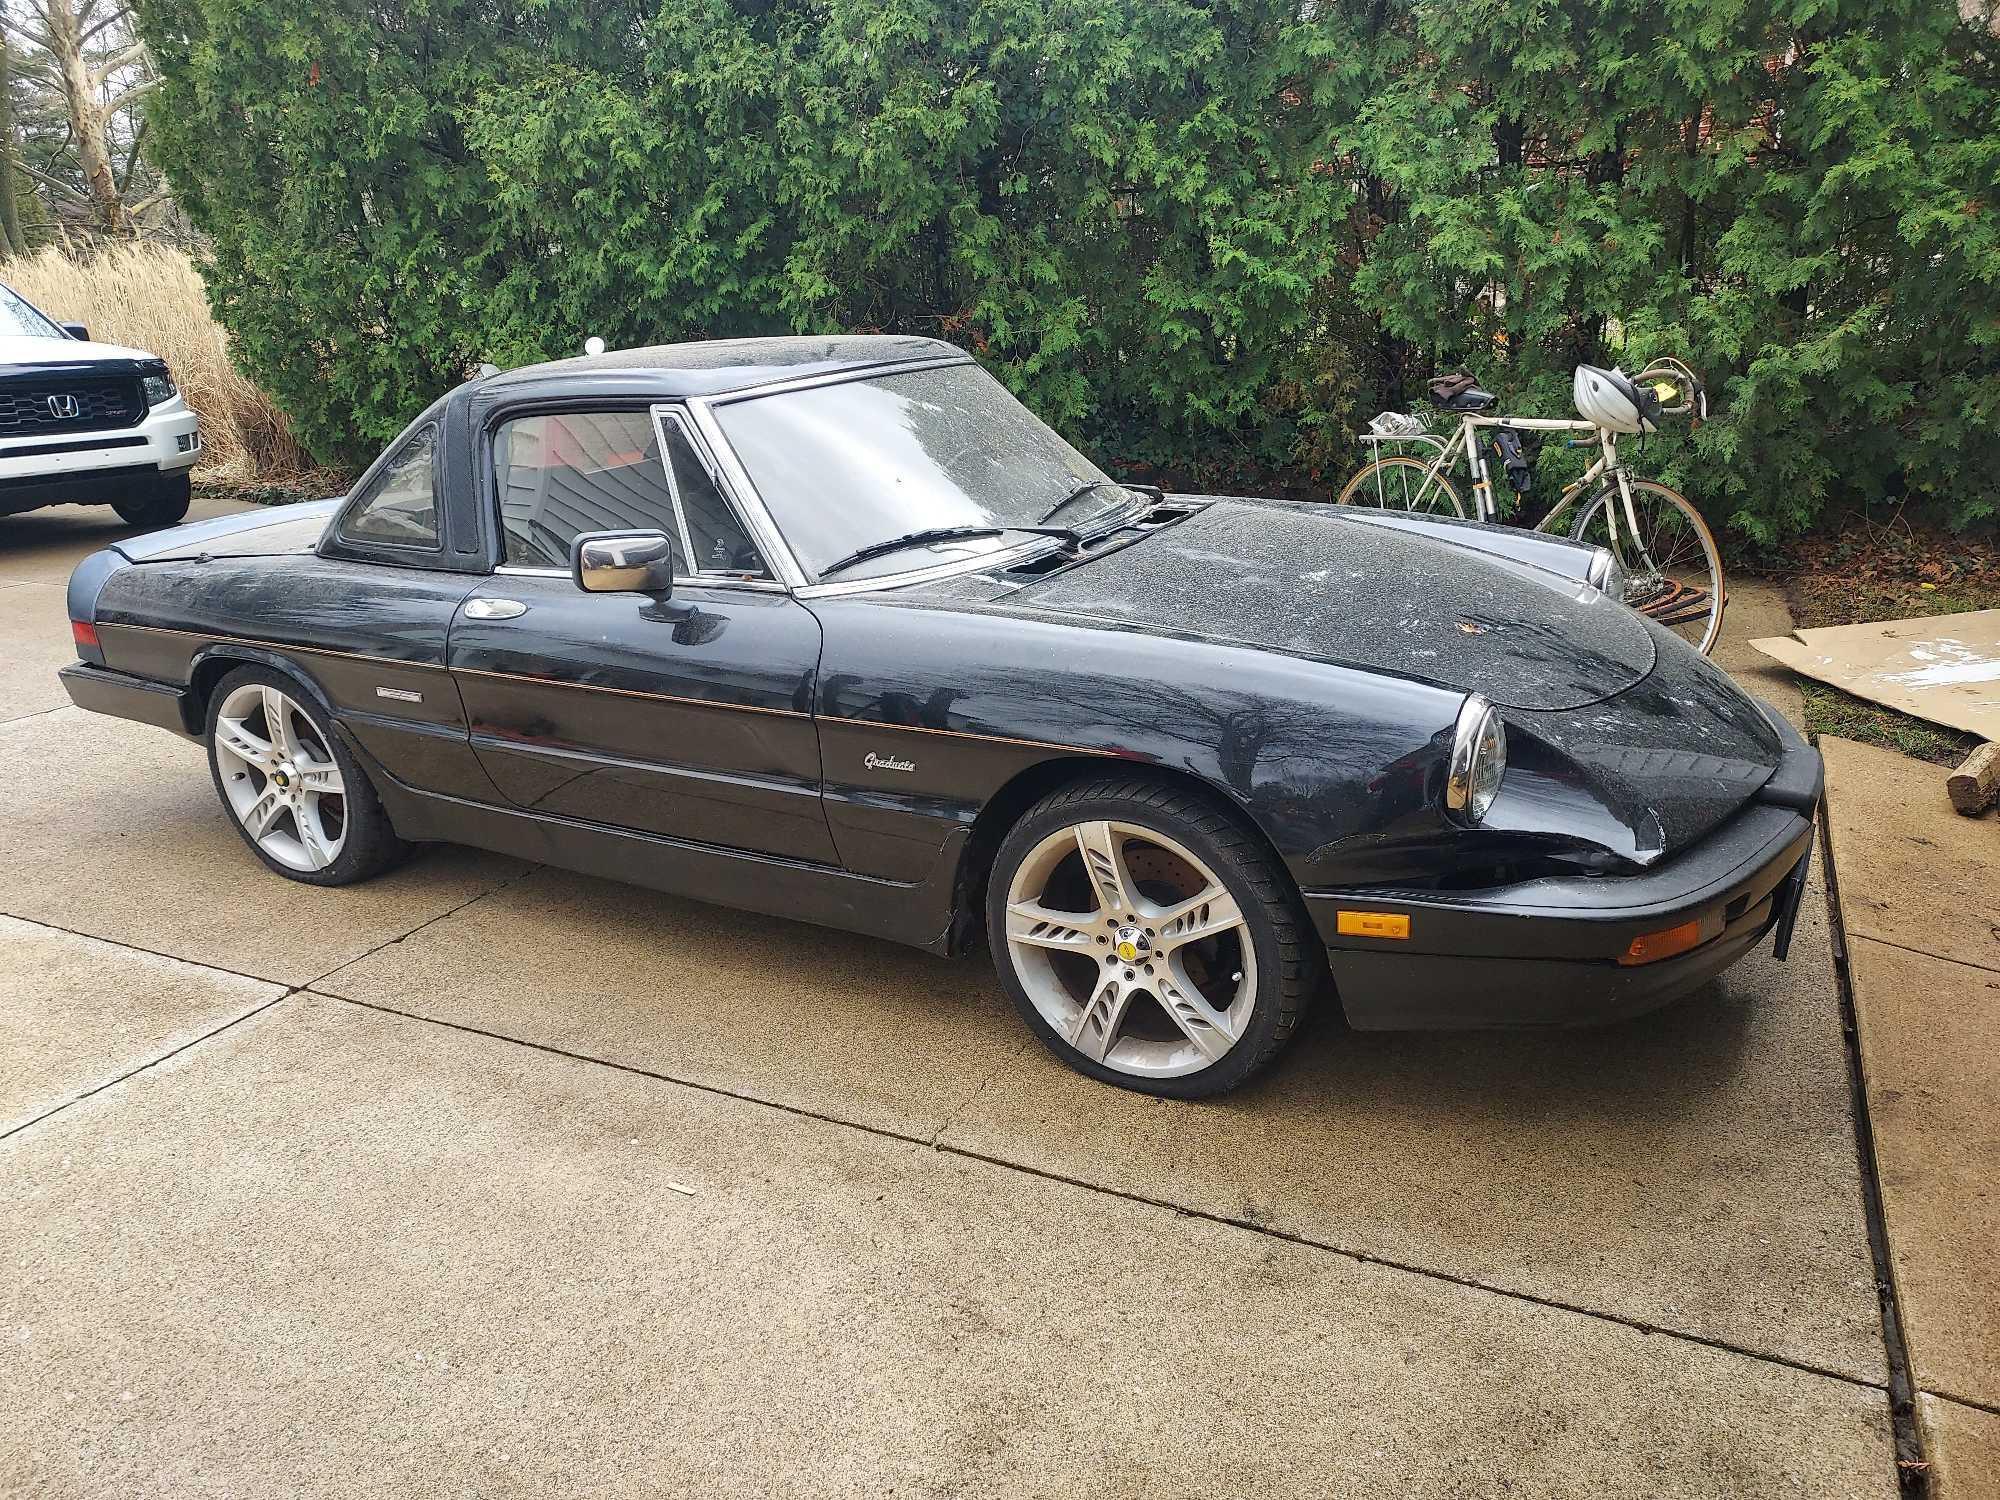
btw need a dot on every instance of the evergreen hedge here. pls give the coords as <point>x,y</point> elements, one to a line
<point>1206,235</point>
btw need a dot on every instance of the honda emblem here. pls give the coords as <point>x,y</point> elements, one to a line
<point>64,408</point>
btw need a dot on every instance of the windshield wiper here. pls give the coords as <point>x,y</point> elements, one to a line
<point>944,534</point>
<point>910,539</point>
<point>1075,495</point>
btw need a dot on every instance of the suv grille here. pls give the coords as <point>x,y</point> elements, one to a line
<point>69,406</point>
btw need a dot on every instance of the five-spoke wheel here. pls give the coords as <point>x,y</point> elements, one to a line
<point>279,777</point>
<point>297,796</point>
<point>1147,937</point>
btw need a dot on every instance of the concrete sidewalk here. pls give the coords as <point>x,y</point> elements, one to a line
<point>384,1190</point>
<point>1920,910</point>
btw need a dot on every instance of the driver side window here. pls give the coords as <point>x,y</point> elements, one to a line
<point>559,474</point>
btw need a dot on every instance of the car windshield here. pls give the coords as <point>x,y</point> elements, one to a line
<point>19,318</point>
<point>860,463</point>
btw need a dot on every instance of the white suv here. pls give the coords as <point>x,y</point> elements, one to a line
<point>88,424</point>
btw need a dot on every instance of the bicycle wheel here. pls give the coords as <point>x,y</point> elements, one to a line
<point>1673,573</point>
<point>1395,483</point>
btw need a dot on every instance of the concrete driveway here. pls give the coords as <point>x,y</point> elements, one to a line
<point>491,1179</point>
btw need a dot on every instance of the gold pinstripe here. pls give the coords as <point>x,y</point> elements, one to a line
<point>591,687</point>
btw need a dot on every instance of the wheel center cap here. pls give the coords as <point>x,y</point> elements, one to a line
<point>282,775</point>
<point>1130,944</point>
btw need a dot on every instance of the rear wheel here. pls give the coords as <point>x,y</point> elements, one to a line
<point>1673,571</point>
<point>1149,940</point>
<point>163,502</point>
<point>301,802</point>
<point>1400,484</point>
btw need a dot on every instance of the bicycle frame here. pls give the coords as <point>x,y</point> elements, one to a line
<point>1466,441</point>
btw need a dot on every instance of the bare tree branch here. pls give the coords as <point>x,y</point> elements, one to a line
<point>111,20</point>
<point>100,75</point>
<point>69,135</point>
<point>137,91</point>
<point>131,158</point>
<point>33,39</point>
<point>55,182</point>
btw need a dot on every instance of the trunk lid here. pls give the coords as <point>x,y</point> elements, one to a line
<point>270,531</point>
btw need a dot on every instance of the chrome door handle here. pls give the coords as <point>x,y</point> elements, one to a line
<point>494,609</point>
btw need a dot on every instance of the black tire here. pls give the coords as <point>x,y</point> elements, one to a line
<point>163,502</point>
<point>369,844</point>
<point>1289,964</point>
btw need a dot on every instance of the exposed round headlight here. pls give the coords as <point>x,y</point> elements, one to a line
<point>159,389</point>
<point>1607,574</point>
<point>1478,760</point>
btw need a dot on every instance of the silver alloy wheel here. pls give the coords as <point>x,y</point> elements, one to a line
<point>1131,949</point>
<point>280,778</point>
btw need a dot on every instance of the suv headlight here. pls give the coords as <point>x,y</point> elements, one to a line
<point>1478,760</point>
<point>1607,574</point>
<point>159,388</point>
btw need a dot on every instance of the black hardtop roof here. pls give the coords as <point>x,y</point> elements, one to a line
<point>718,366</point>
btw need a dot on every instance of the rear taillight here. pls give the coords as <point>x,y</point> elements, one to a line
<point>86,634</point>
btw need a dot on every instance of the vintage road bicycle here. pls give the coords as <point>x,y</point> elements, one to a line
<point>1672,572</point>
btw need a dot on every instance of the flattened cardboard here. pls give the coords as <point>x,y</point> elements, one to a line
<point>1945,668</point>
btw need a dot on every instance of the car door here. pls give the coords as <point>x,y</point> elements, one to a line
<point>688,716</point>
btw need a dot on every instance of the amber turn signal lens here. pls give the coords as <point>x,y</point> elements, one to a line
<point>1375,924</point>
<point>1651,947</point>
<point>84,631</point>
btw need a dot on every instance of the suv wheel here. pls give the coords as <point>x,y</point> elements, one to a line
<point>164,502</point>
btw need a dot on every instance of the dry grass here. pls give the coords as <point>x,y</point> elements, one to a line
<point>150,297</point>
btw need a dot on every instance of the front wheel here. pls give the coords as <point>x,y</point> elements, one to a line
<point>1148,939</point>
<point>1673,572</point>
<point>164,502</point>
<point>1402,483</point>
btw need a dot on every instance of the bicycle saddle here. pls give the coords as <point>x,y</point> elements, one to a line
<point>1461,392</point>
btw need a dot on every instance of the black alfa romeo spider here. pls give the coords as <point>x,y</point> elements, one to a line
<point>835,629</point>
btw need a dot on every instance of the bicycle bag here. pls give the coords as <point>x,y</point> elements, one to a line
<point>1507,453</point>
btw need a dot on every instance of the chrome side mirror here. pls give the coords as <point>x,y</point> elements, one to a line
<point>623,562</point>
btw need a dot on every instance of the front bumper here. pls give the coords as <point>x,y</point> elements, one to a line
<point>1545,952</point>
<point>88,468</point>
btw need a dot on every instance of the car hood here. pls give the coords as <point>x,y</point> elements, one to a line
<point>1315,582</point>
<point>1620,736</point>
<point>269,531</point>
<point>24,349</point>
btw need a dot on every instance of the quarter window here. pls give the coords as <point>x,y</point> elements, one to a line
<point>719,542</point>
<point>400,508</point>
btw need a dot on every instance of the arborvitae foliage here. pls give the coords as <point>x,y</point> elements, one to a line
<point>1211,234</point>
